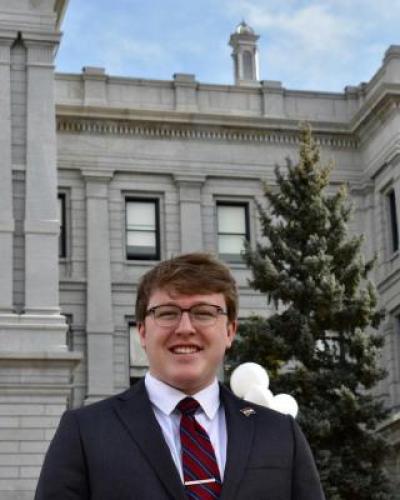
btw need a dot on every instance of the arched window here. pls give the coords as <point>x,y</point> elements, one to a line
<point>247,65</point>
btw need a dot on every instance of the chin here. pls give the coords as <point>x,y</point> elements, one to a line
<point>190,384</point>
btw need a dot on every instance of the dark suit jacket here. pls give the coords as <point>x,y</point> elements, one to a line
<point>114,450</point>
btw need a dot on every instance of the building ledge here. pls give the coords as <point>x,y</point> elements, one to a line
<point>56,356</point>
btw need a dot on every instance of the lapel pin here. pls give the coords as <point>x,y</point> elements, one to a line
<point>248,411</point>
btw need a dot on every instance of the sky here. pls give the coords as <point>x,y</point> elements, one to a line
<point>305,44</point>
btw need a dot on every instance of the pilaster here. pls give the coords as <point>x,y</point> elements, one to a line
<point>272,92</point>
<point>363,197</point>
<point>99,318</point>
<point>94,85</point>
<point>6,201</point>
<point>190,211</point>
<point>41,222</point>
<point>35,363</point>
<point>185,92</point>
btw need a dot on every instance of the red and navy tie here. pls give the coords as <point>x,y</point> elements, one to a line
<point>200,469</point>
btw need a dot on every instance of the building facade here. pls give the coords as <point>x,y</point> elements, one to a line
<point>101,177</point>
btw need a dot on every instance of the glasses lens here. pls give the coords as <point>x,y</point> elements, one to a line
<point>167,315</point>
<point>201,315</point>
<point>204,314</point>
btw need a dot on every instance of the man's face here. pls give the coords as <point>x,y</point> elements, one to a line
<point>185,356</point>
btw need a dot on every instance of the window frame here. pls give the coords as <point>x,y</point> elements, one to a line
<point>247,235</point>
<point>62,237</point>
<point>151,200</point>
<point>393,220</point>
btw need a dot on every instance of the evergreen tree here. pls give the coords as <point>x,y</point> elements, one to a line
<point>321,345</point>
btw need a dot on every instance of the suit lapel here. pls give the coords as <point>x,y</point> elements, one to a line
<point>134,409</point>
<point>240,429</point>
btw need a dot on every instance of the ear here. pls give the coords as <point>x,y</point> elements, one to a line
<point>142,334</point>
<point>231,332</point>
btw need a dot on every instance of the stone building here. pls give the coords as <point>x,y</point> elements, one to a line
<point>102,176</point>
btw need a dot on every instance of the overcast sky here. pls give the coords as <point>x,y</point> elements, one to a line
<point>306,44</point>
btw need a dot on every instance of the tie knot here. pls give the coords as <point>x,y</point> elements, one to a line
<point>188,406</point>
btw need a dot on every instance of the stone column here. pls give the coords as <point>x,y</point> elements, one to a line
<point>6,201</point>
<point>190,211</point>
<point>41,221</point>
<point>99,320</point>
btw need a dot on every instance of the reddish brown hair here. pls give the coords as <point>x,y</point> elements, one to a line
<point>188,274</point>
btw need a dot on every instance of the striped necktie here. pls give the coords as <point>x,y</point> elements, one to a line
<point>200,469</point>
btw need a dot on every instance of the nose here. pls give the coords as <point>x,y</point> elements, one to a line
<point>185,325</point>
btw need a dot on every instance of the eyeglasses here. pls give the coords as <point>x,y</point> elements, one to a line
<point>201,315</point>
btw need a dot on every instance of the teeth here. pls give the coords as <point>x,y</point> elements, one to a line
<point>185,349</point>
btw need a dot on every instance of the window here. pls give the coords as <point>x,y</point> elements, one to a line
<point>138,362</point>
<point>142,229</point>
<point>394,228</point>
<point>247,65</point>
<point>335,346</point>
<point>69,341</point>
<point>395,348</point>
<point>62,238</point>
<point>233,230</point>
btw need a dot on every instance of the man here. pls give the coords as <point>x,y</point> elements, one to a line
<point>179,434</point>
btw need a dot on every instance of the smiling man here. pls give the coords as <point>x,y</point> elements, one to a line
<point>179,434</point>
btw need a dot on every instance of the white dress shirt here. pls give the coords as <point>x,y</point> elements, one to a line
<point>211,417</point>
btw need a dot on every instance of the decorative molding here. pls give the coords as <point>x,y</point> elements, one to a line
<point>363,189</point>
<point>386,158</point>
<point>60,7</point>
<point>40,54</point>
<point>55,356</point>
<point>375,111</point>
<point>390,280</point>
<point>98,126</point>
<point>194,179</point>
<point>7,226</point>
<point>6,41</point>
<point>96,175</point>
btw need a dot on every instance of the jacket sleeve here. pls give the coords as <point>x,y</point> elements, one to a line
<point>64,474</point>
<point>306,484</point>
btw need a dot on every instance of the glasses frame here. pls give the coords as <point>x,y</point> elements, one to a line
<point>220,312</point>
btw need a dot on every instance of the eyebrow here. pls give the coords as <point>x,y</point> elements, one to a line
<point>177,305</point>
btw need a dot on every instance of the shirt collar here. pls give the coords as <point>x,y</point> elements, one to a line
<point>166,397</point>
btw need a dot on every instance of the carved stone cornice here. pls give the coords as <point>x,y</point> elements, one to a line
<point>60,7</point>
<point>363,188</point>
<point>375,111</point>
<point>183,131</point>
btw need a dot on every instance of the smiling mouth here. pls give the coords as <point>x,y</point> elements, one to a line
<point>185,349</point>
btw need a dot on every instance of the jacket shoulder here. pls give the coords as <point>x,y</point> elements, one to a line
<point>105,405</point>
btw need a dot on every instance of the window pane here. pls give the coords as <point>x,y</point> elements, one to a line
<point>394,229</point>
<point>141,215</point>
<point>141,238</point>
<point>231,219</point>
<point>230,244</point>
<point>232,258</point>
<point>60,213</point>
<point>62,244</point>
